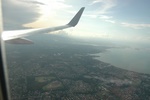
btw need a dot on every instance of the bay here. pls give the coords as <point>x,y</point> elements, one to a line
<point>133,59</point>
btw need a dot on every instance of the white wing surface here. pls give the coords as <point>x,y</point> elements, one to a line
<point>15,37</point>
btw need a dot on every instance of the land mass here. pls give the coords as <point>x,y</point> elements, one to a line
<point>67,71</point>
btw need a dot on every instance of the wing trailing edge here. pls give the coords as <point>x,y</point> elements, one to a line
<point>19,41</point>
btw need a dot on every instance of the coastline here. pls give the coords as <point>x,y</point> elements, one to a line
<point>121,59</point>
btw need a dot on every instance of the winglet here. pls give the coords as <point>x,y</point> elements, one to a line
<point>76,18</point>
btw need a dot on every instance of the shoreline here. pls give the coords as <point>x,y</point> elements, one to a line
<point>107,57</point>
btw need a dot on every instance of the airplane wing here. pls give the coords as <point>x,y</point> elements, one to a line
<point>15,37</point>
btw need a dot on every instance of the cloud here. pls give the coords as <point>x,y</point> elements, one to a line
<point>98,16</point>
<point>105,17</point>
<point>16,13</point>
<point>110,21</point>
<point>104,5</point>
<point>50,11</point>
<point>32,2</point>
<point>55,4</point>
<point>135,26</point>
<point>91,15</point>
<point>95,1</point>
<point>102,9</point>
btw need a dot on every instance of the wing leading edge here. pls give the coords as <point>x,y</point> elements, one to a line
<point>15,37</point>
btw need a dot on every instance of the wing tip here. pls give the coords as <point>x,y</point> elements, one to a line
<point>76,18</point>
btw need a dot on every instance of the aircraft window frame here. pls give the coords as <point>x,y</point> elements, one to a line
<point>3,83</point>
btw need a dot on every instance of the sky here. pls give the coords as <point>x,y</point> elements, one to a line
<point>126,20</point>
